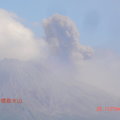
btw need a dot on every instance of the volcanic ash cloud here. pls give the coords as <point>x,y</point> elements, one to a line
<point>64,39</point>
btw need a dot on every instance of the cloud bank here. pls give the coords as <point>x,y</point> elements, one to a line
<point>61,39</point>
<point>16,41</point>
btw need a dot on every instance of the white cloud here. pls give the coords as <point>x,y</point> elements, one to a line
<point>16,41</point>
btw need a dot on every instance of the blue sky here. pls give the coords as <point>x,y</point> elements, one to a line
<point>97,20</point>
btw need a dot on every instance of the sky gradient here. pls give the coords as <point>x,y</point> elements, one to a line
<point>97,21</point>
